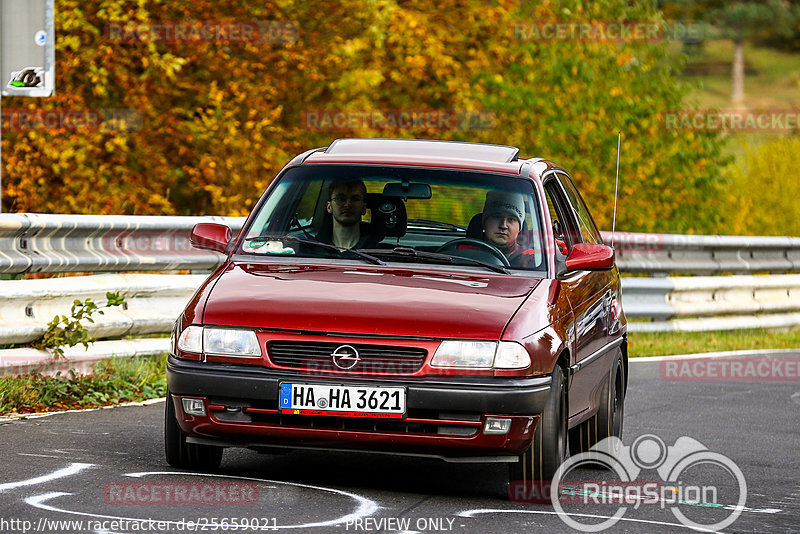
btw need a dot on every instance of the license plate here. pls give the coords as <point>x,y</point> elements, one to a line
<point>343,401</point>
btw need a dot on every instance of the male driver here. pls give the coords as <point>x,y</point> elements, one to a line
<point>503,213</point>
<point>347,202</point>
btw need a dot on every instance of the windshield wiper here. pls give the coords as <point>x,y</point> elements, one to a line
<point>320,244</point>
<point>408,252</point>
<point>438,224</point>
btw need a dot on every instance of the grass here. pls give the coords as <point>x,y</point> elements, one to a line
<point>772,82</point>
<point>112,382</point>
<point>667,343</point>
<point>772,77</point>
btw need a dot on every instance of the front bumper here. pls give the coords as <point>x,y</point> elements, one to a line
<point>445,415</point>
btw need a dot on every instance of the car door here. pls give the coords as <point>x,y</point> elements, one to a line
<point>586,291</point>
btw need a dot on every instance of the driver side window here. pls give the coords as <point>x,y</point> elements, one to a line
<point>565,228</point>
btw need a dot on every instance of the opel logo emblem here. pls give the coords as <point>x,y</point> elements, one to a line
<point>345,357</point>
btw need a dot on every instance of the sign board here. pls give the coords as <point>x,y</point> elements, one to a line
<point>27,48</point>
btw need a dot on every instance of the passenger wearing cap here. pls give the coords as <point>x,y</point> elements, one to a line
<point>503,213</point>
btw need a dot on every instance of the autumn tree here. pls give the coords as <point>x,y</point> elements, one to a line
<point>206,123</point>
<point>765,190</point>
<point>762,21</point>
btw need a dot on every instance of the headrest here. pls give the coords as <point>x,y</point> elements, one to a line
<point>475,227</point>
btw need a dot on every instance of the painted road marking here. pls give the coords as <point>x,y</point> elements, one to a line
<point>73,469</point>
<point>473,513</point>
<point>365,507</point>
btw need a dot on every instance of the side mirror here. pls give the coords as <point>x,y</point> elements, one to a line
<point>588,257</point>
<point>210,236</point>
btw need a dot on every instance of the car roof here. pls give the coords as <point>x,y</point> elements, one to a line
<point>421,153</point>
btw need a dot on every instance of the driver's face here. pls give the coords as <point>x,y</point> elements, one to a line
<point>347,205</point>
<point>501,230</point>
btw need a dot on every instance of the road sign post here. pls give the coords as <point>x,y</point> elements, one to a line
<point>27,51</point>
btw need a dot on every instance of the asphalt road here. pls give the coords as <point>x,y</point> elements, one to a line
<point>106,469</point>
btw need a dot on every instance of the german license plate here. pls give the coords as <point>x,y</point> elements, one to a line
<point>343,401</point>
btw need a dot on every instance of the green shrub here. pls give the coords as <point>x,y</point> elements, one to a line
<point>766,189</point>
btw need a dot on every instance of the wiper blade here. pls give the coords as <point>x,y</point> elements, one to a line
<point>319,244</point>
<point>409,252</point>
<point>438,224</point>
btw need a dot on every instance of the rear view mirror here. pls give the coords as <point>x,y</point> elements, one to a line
<point>210,236</point>
<point>407,190</point>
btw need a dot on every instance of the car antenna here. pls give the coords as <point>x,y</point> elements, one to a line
<point>616,188</point>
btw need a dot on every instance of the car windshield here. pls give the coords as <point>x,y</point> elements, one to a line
<point>386,214</point>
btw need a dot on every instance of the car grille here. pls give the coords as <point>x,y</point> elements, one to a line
<point>374,359</point>
<point>417,421</point>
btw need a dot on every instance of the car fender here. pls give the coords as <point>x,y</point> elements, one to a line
<point>543,324</point>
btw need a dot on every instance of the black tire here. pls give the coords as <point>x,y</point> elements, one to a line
<point>184,455</point>
<point>608,420</point>
<point>547,452</point>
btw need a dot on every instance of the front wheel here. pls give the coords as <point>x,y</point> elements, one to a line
<point>607,422</point>
<point>537,465</point>
<point>184,455</point>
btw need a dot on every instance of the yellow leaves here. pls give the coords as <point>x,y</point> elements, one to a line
<point>416,61</point>
<point>220,120</point>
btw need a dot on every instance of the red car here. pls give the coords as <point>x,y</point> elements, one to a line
<point>432,298</point>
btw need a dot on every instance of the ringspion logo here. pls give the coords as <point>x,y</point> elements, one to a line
<point>703,489</point>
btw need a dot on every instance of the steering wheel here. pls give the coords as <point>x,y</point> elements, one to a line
<point>453,246</point>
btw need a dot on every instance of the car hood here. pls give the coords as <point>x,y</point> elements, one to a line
<point>368,300</point>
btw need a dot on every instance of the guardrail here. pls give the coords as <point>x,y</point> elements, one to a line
<point>660,254</point>
<point>152,303</point>
<point>696,303</point>
<point>43,243</point>
<point>31,243</point>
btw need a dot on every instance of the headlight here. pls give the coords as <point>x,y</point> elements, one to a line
<point>230,342</point>
<point>470,354</point>
<point>221,341</point>
<point>481,355</point>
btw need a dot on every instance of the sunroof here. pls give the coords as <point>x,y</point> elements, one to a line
<point>424,147</point>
